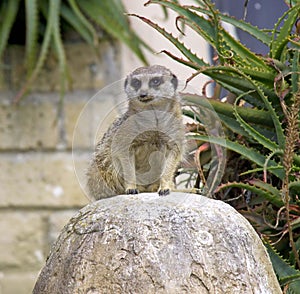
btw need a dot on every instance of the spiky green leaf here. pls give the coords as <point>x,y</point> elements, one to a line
<point>251,115</point>
<point>276,121</point>
<point>238,23</point>
<point>213,33</point>
<point>246,152</point>
<point>183,49</point>
<point>264,190</point>
<point>280,40</point>
<point>295,71</point>
<point>285,272</point>
<point>259,137</point>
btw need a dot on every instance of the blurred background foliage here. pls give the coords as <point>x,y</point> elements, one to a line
<point>44,25</point>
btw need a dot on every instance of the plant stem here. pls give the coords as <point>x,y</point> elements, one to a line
<point>292,137</point>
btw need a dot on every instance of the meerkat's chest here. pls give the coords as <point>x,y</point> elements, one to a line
<point>150,140</point>
<point>150,149</point>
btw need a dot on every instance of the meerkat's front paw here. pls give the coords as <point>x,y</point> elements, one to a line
<point>132,191</point>
<point>163,192</point>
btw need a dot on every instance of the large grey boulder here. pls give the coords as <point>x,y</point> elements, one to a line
<point>181,243</point>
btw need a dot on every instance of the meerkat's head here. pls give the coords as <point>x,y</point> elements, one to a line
<point>151,85</point>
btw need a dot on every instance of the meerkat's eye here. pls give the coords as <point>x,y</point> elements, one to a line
<point>155,82</point>
<point>135,83</point>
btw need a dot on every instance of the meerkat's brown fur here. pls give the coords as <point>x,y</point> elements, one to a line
<point>142,149</point>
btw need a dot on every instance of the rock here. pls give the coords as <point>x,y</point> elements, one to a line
<point>181,243</point>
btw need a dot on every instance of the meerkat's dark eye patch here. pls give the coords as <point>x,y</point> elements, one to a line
<point>135,83</point>
<point>155,82</point>
<point>174,81</point>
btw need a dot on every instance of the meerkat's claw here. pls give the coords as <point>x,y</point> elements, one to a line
<point>196,191</point>
<point>164,192</point>
<point>132,191</point>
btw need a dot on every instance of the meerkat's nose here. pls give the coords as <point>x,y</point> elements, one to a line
<point>143,94</point>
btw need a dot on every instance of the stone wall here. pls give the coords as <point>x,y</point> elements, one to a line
<point>39,190</point>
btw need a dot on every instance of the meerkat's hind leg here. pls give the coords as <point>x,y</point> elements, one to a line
<point>166,181</point>
<point>129,177</point>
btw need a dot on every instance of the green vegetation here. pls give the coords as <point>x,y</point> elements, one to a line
<point>260,120</point>
<point>45,22</point>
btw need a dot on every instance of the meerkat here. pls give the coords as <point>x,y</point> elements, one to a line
<point>142,149</point>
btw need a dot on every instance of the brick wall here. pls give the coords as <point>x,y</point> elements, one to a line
<point>39,190</point>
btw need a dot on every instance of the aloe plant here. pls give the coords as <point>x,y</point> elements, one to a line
<point>82,16</point>
<point>288,276</point>
<point>261,125</point>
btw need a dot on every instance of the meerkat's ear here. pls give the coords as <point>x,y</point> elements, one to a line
<point>126,82</point>
<point>174,81</point>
